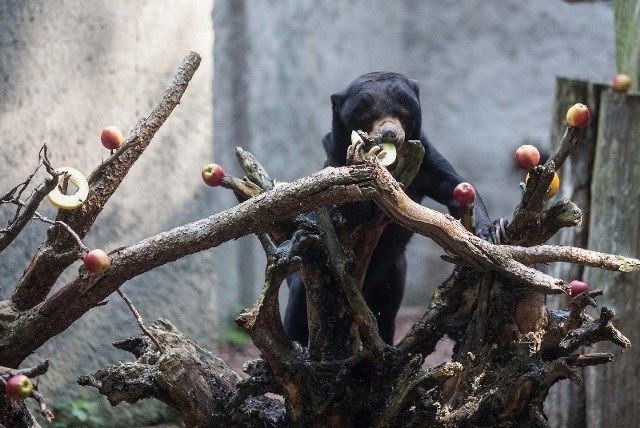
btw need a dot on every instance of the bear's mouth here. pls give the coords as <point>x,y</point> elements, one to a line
<point>388,151</point>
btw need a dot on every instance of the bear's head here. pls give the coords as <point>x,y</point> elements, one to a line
<point>383,104</point>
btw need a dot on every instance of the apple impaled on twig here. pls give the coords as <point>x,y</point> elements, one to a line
<point>578,115</point>
<point>621,82</point>
<point>18,387</point>
<point>96,261</point>
<point>111,137</point>
<point>69,202</point>
<point>464,194</point>
<point>212,174</point>
<point>577,287</point>
<point>527,157</point>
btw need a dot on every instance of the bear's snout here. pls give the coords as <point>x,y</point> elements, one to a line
<point>388,130</point>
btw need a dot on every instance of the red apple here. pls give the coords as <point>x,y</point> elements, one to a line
<point>212,174</point>
<point>18,387</point>
<point>578,115</point>
<point>96,261</point>
<point>464,194</point>
<point>621,82</point>
<point>111,137</point>
<point>577,287</point>
<point>527,157</point>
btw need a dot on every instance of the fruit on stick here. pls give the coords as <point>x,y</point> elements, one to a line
<point>212,174</point>
<point>69,202</point>
<point>111,137</point>
<point>96,261</point>
<point>464,194</point>
<point>621,82</point>
<point>18,387</point>
<point>527,157</point>
<point>553,187</point>
<point>578,115</point>
<point>577,287</point>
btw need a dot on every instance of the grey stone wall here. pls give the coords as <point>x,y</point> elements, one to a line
<point>486,69</point>
<point>67,69</point>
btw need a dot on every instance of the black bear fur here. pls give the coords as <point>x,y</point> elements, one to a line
<point>387,106</point>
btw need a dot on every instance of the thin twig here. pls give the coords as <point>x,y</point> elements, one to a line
<point>42,405</point>
<point>139,320</point>
<point>64,225</point>
<point>25,210</point>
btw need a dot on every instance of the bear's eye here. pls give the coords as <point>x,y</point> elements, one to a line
<point>361,118</point>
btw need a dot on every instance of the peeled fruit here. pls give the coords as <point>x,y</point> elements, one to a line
<point>96,261</point>
<point>212,174</point>
<point>577,287</point>
<point>355,138</point>
<point>111,137</point>
<point>69,202</point>
<point>388,154</point>
<point>464,194</point>
<point>621,82</point>
<point>18,387</point>
<point>527,157</point>
<point>553,187</point>
<point>578,115</point>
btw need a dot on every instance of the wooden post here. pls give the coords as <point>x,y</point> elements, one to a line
<point>627,16</point>
<point>565,405</point>
<point>612,394</point>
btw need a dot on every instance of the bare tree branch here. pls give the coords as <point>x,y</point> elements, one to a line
<point>57,252</point>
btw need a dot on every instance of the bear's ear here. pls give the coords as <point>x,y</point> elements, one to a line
<point>336,100</point>
<point>415,86</point>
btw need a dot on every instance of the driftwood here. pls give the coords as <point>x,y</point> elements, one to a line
<point>510,349</point>
<point>508,353</point>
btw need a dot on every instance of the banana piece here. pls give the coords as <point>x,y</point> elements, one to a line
<point>69,202</point>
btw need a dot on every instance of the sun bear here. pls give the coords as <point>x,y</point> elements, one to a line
<point>386,106</point>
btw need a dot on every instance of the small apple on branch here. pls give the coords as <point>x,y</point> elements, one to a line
<point>18,387</point>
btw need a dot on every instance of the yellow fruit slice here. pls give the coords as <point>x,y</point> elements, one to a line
<point>388,154</point>
<point>69,202</point>
<point>553,187</point>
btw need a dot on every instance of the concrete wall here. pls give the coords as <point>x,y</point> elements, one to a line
<point>67,69</point>
<point>486,70</point>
